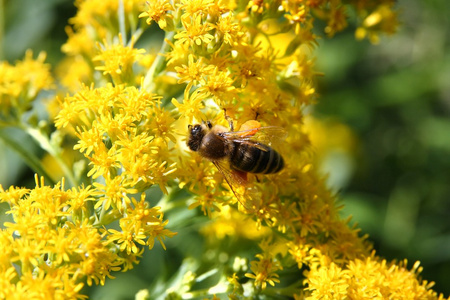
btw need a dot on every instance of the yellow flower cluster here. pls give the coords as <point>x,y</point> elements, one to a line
<point>369,278</point>
<point>20,84</point>
<point>124,133</point>
<point>55,243</point>
<point>127,112</point>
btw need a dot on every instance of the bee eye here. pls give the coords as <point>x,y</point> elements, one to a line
<point>196,129</point>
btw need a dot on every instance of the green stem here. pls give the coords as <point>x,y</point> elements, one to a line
<point>155,69</point>
<point>136,35</point>
<point>121,16</point>
<point>31,160</point>
<point>45,144</point>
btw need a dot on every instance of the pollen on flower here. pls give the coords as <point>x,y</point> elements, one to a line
<point>77,249</point>
<point>117,60</point>
<point>192,105</point>
<point>111,139</point>
<point>194,71</point>
<point>162,124</point>
<point>21,83</point>
<point>367,278</point>
<point>264,271</point>
<point>296,13</point>
<point>127,238</point>
<point>228,29</point>
<point>206,201</point>
<point>218,83</point>
<point>196,32</point>
<point>158,11</point>
<point>327,282</point>
<point>219,61</point>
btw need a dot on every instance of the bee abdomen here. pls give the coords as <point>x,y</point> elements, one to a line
<point>250,158</point>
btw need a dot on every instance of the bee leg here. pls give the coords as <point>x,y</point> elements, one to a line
<point>257,179</point>
<point>256,115</point>
<point>230,121</point>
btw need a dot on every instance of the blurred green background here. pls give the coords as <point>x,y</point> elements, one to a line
<point>395,99</point>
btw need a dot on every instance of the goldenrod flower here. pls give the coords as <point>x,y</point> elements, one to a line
<point>218,83</point>
<point>117,61</point>
<point>327,282</point>
<point>20,84</point>
<point>364,279</point>
<point>196,32</point>
<point>264,271</point>
<point>194,71</point>
<point>228,29</point>
<point>192,105</point>
<point>158,11</point>
<point>127,114</point>
<point>382,19</point>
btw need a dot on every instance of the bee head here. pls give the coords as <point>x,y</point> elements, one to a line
<point>196,134</point>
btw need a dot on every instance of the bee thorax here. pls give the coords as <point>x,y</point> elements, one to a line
<point>214,147</point>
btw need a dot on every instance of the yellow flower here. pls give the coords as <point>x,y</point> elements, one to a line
<point>196,32</point>
<point>117,61</point>
<point>20,84</point>
<point>45,225</point>
<point>138,150</point>
<point>158,232</point>
<point>114,192</point>
<point>161,124</point>
<point>194,7</point>
<point>127,237</point>
<point>383,19</point>
<point>12,195</point>
<point>229,222</point>
<point>102,159</point>
<point>72,73</point>
<point>228,29</point>
<point>193,72</point>
<point>337,19</point>
<point>215,55</point>
<point>192,105</point>
<point>264,271</point>
<point>178,55</point>
<point>95,261</point>
<point>89,10</point>
<point>78,43</point>
<point>327,282</point>
<point>158,11</point>
<point>234,281</point>
<point>218,83</point>
<point>297,13</point>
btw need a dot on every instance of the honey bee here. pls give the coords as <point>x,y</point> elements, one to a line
<point>236,153</point>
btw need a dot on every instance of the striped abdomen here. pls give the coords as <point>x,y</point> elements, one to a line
<point>253,157</point>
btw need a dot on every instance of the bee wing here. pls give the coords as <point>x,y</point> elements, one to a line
<point>231,177</point>
<point>265,135</point>
<point>237,181</point>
